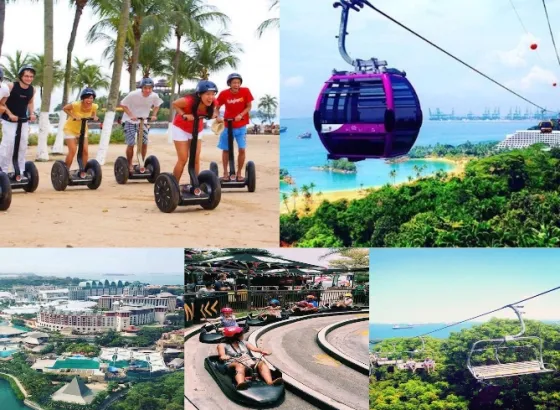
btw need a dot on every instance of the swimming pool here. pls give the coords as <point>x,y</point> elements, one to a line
<point>6,353</point>
<point>76,363</point>
<point>123,364</point>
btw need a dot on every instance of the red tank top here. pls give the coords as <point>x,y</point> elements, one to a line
<point>186,125</point>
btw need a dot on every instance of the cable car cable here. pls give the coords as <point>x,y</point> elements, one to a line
<point>550,29</point>
<point>525,28</point>
<point>492,311</point>
<point>452,56</point>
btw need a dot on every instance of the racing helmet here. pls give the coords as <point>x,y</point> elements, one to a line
<point>310,297</point>
<point>233,76</point>
<point>348,295</point>
<point>86,92</point>
<point>232,331</point>
<point>146,82</point>
<point>204,86</point>
<point>274,302</point>
<point>226,310</point>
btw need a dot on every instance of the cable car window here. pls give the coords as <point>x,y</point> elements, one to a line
<point>405,102</point>
<point>371,102</point>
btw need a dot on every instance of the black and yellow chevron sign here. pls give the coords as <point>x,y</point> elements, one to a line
<point>189,311</point>
<point>209,309</point>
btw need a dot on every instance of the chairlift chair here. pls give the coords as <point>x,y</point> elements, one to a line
<point>519,368</point>
<point>411,353</point>
<point>383,358</point>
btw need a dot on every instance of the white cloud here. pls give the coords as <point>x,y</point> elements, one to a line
<point>295,81</point>
<point>536,77</point>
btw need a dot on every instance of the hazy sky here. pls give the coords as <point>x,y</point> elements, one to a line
<point>76,261</point>
<point>485,34</point>
<point>259,63</point>
<point>449,285</point>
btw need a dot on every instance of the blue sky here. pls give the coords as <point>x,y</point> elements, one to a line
<point>449,285</point>
<point>485,34</point>
<point>76,261</point>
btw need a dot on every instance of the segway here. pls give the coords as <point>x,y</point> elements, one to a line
<point>148,169</point>
<point>61,176</point>
<point>250,180</point>
<point>204,189</point>
<point>28,180</point>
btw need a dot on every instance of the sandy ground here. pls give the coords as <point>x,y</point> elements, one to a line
<point>127,216</point>
<point>351,194</point>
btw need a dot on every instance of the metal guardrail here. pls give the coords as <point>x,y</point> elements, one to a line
<point>247,300</point>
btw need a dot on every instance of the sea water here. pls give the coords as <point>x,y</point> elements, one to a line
<point>8,398</point>
<point>298,156</point>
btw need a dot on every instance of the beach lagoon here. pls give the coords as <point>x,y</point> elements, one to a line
<point>299,156</point>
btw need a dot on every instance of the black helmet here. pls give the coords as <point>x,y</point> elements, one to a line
<point>204,86</point>
<point>86,92</point>
<point>1,73</point>
<point>233,76</point>
<point>26,67</point>
<point>146,82</point>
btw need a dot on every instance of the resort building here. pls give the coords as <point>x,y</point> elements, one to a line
<point>163,299</point>
<point>118,319</point>
<point>526,138</point>
<point>74,392</point>
<point>99,288</point>
<point>53,294</point>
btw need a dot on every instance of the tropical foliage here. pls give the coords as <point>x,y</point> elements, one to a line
<point>507,199</point>
<point>451,386</point>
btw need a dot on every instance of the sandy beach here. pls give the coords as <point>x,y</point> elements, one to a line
<point>351,194</point>
<point>126,215</point>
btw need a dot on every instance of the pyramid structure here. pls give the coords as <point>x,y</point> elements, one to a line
<point>74,392</point>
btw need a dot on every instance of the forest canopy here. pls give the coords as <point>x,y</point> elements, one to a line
<point>508,199</point>
<point>452,387</point>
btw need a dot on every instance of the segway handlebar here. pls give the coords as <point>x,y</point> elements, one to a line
<point>85,118</point>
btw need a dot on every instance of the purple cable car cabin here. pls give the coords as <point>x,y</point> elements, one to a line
<point>368,115</point>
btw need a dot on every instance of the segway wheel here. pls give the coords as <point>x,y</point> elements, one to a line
<point>153,164</point>
<point>95,168</point>
<point>32,175</point>
<point>210,184</point>
<point>251,176</point>
<point>60,176</point>
<point>166,192</point>
<point>5,192</point>
<point>214,168</point>
<point>121,170</point>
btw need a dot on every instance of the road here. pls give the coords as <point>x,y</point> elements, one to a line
<point>296,353</point>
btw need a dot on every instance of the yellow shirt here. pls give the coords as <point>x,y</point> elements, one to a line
<point>72,127</point>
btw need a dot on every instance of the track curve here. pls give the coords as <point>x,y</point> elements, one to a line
<point>201,390</point>
<point>297,354</point>
<point>352,340</point>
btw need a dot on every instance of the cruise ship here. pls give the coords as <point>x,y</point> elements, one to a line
<point>397,327</point>
<point>525,138</point>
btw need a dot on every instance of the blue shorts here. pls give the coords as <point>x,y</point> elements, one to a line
<point>239,134</point>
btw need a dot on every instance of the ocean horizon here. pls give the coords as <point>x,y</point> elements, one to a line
<point>386,331</point>
<point>299,156</point>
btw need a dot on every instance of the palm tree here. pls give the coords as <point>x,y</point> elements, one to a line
<point>186,70</point>
<point>48,83</point>
<point>14,64</point>
<point>393,175</point>
<point>211,54</point>
<point>188,18</point>
<point>285,201</point>
<point>268,106</point>
<point>115,83</point>
<point>269,23</point>
<point>295,194</point>
<point>88,75</point>
<point>58,144</point>
<point>2,18</point>
<point>38,63</point>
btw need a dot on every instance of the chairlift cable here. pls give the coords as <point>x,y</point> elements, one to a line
<point>492,311</point>
<point>366,2</point>
<point>550,29</point>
